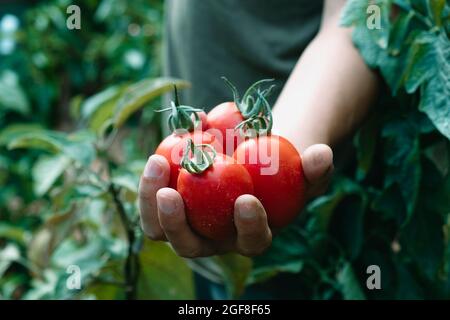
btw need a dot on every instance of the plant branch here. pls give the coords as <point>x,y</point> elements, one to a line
<point>132,266</point>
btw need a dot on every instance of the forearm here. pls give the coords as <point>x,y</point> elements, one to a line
<point>329,92</point>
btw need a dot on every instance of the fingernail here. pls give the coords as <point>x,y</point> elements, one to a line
<point>247,211</point>
<point>153,169</point>
<point>166,205</point>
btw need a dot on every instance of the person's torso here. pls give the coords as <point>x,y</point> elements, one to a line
<point>243,40</point>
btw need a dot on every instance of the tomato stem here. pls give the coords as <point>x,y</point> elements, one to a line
<point>201,159</point>
<point>180,116</point>
<point>258,123</point>
<point>250,106</point>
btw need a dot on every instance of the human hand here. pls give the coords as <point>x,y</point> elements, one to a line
<point>163,217</point>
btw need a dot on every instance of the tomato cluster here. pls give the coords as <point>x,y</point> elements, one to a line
<point>216,158</point>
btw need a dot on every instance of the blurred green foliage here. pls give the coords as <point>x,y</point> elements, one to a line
<point>77,123</point>
<point>69,168</point>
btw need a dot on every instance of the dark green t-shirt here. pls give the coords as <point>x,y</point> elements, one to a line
<point>244,40</point>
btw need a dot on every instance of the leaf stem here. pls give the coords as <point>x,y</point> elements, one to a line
<point>132,265</point>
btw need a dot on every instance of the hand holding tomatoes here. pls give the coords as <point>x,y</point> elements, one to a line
<point>212,211</point>
<point>163,217</point>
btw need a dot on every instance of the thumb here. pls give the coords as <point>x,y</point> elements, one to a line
<point>317,163</point>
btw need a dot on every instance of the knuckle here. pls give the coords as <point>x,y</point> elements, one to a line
<point>169,228</point>
<point>253,252</point>
<point>145,197</point>
<point>189,252</point>
<point>258,247</point>
<point>261,249</point>
<point>247,252</point>
<point>146,194</point>
<point>248,232</point>
<point>171,225</point>
<point>155,235</point>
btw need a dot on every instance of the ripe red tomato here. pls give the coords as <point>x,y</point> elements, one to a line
<point>209,196</point>
<point>173,146</point>
<point>223,117</point>
<point>203,121</point>
<point>277,174</point>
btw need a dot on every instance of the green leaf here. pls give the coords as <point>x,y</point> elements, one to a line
<point>10,283</point>
<point>12,96</point>
<point>136,166</point>
<point>46,171</point>
<point>236,270</point>
<point>349,283</point>
<point>387,204</point>
<point>89,256</point>
<point>78,146</point>
<point>17,130</point>
<point>52,285</point>
<point>75,107</point>
<point>369,41</point>
<point>439,154</point>
<point>435,100</point>
<point>126,180</point>
<point>408,287</point>
<point>323,207</point>
<point>352,13</point>
<point>99,108</point>
<point>347,225</point>
<point>91,104</point>
<point>103,115</point>
<point>436,8</point>
<point>164,275</point>
<point>423,239</point>
<point>47,238</point>
<point>286,254</point>
<point>140,93</point>
<point>129,182</point>
<point>399,32</point>
<point>15,233</point>
<point>9,254</point>
<point>47,141</point>
<point>413,58</point>
<point>365,142</point>
<point>341,213</point>
<point>207,267</point>
<point>103,291</point>
<point>402,156</point>
<point>420,63</point>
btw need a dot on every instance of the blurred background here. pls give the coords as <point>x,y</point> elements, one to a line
<point>77,124</point>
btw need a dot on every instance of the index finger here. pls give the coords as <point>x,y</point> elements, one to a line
<point>156,175</point>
